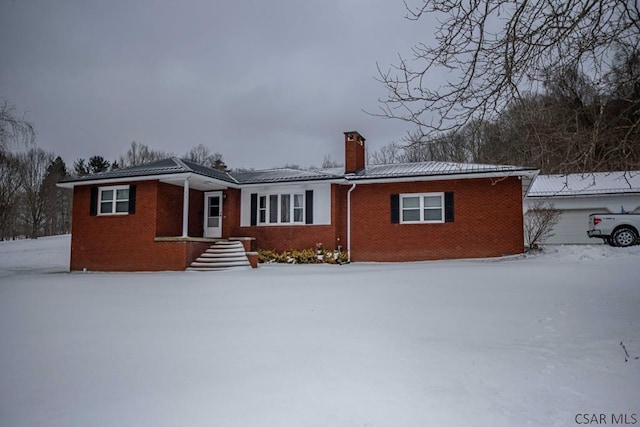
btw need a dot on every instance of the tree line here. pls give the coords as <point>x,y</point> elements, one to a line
<point>31,204</point>
<point>572,126</point>
<point>552,84</point>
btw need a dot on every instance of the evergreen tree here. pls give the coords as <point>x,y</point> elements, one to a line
<point>98,164</point>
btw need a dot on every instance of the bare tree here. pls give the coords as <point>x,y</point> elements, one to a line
<point>9,192</point>
<point>15,133</point>
<point>14,129</point>
<point>388,154</point>
<point>499,52</point>
<point>328,162</point>
<point>34,165</point>
<point>539,221</point>
<point>202,155</point>
<point>140,153</point>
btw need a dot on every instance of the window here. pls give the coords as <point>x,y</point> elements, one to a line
<point>273,209</point>
<point>298,208</point>
<point>420,208</point>
<point>285,208</point>
<point>113,200</point>
<point>262,209</point>
<point>281,209</point>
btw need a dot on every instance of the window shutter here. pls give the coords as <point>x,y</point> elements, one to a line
<point>93,203</point>
<point>395,209</point>
<point>448,207</point>
<point>308,206</point>
<point>132,199</point>
<point>254,208</point>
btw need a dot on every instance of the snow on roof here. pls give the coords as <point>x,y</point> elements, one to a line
<point>587,184</point>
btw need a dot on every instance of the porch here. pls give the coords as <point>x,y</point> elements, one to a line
<point>211,254</point>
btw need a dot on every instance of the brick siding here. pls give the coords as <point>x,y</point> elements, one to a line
<point>127,242</point>
<point>487,222</point>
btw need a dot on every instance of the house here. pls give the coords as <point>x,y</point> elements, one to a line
<point>163,215</point>
<point>577,196</point>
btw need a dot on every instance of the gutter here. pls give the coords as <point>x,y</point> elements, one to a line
<point>353,187</point>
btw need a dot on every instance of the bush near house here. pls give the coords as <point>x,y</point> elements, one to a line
<point>539,221</point>
<point>303,256</point>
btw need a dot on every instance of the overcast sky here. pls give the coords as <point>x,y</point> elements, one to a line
<point>262,82</point>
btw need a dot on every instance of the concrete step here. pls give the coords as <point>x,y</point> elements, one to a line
<point>224,250</point>
<point>205,269</point>
<point>226,245</point>
<point>213,260</point>
<point>221,255</point>
<point>225,264</point>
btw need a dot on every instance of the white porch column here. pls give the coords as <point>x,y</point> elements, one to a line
<point>185,209</point>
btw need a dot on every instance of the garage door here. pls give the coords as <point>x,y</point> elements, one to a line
<point>572,227</point>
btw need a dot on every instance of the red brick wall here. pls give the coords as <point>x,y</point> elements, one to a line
<point>487,222</point>
<point>284,238</point>
<point>287,237</point>
<point>127,242</point>
<point>169,215</point>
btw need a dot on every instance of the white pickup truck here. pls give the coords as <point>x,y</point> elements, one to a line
<point>615,229</point>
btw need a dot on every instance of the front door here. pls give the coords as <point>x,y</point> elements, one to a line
<point>213,214</point>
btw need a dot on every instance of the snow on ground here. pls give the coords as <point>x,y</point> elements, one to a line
<point>46,254</point>
<point>531,340</point>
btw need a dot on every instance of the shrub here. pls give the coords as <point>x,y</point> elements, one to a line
<point>539,222</point>
<point>303,256</point>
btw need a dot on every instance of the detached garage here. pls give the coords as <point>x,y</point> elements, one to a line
<point>577,196</point>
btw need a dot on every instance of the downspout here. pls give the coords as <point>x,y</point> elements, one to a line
<point>353,187</point>
<point>185,209</point>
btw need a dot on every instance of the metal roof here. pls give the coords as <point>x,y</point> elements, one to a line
<point>168,166</point>
<point>586,184</point>
<point>430,169</point>
<point>174,165</point>
<point>282,175</point>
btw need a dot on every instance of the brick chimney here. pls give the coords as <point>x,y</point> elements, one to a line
<point>353,152</point>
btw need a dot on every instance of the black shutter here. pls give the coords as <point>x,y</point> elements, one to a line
<point>93,203</point>
<point>448,207</point>
<point>132,199</point>
<point>395,209</point>
<point>254,208</point>
<point>308,206</point>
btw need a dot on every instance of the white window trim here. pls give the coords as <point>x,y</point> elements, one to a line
<point>421,197</point>
<point>292,209</point>
<point>115,189</point>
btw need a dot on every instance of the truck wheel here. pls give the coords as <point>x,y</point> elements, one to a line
<point>609,241</point>
<point>624,237</point>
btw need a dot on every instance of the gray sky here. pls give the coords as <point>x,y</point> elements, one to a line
<point>262,82</point>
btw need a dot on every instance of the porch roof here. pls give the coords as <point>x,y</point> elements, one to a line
<point>165,170</point>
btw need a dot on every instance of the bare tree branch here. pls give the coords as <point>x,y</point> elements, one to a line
<point>500,51</point>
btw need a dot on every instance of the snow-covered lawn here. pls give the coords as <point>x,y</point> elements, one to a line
<point>525,341</point>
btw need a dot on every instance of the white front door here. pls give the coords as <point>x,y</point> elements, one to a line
<point>213,214</point>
